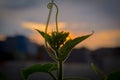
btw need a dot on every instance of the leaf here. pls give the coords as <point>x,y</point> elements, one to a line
<point>58,38</point>
<point>75,79</point>
<point>47,37</point>
<point>96,69</point>
<point>64,51</point>
<point>46,68</point>
<point>2,76</point>
<point>113,76</point>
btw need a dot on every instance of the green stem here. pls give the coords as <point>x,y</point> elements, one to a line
<point>48,20</point>
<point>60,70</point>
<point>50,6</point>
<point>56,17</point>
<point>49,15</point>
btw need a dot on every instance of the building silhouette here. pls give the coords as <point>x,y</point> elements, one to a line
<point>21,48</point>
<point>17,47</point>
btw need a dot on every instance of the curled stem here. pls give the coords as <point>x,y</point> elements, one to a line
<point>50,6</point>
<point>49,15</point>
<point>56,17</point>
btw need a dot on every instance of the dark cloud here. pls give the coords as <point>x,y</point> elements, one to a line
<point>12,28</point>
<point>110,8</point>
<point>101,13</point>
<point>14,12</point>
<point>19,4</point>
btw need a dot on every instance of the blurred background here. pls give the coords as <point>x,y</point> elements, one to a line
<point>21,45</point>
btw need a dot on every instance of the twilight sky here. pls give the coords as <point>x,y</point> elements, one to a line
<point>79,17</point>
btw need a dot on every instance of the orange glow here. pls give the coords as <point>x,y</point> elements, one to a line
<point>41,26</point>
<point>108,38</point>
<point>2,38</point>
<point>103,39</point>
<point>97,40</point>
<point>35,36</point>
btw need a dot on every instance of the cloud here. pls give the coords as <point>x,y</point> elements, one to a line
<point>19,4</point>
<point>104,38</point>
<point>108,38</point>
<point>2,38</point>
<point>10,19</point>
<point>76,16</point>
<point>41,26</point>
<point>93,11</point>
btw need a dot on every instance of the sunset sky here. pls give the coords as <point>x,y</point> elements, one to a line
<point>79,17</point>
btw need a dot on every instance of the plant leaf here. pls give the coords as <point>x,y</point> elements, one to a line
<point>58,39</point>
<point>96,69</point>
<point>47,37</point>
<point>69,45</point>
<point>75,79</point>
<point>113,76</point>
<point>26,72</point>
<point>2,76</point>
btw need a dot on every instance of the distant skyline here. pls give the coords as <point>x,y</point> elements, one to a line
<point>79,17</point>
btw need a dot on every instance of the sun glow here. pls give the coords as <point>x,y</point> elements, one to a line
<point>41,26</point>
<point>2,38</point>
<point>106,38</point>
<point>97,40</point>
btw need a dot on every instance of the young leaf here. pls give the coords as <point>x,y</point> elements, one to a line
<point>67,47</point>
<point>47,68</point>
<point>59,38</point>
<point>47,37</point>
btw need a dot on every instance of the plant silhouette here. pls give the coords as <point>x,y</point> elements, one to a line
<point>58,47</point>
